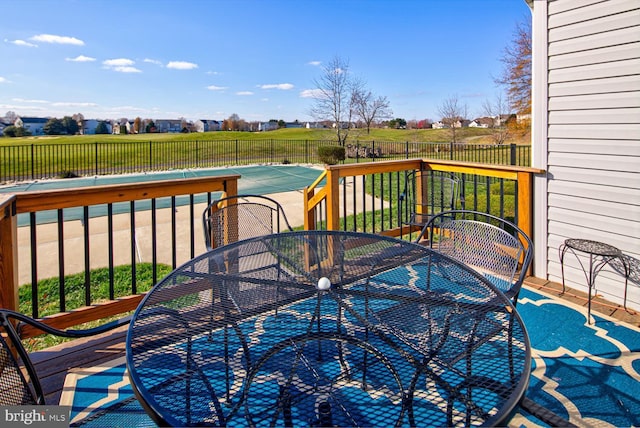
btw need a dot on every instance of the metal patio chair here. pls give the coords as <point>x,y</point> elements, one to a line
<point>19,381</point>
<point>240,217</point>
<point>495,247</point>
<point>439,193</point>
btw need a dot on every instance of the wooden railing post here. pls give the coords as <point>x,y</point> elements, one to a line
<point>525,205</point>
<point>8,253</point>
<point>333,199</point>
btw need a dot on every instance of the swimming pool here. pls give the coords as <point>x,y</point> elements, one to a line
<point>256,179</point>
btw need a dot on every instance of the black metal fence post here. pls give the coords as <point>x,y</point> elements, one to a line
<point>513,154</point>
<point>33,160</point>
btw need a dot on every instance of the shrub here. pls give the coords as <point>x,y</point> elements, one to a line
<point>331,155</point>
<point>67,174</point>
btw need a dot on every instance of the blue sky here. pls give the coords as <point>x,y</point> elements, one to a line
<point>201,59</point>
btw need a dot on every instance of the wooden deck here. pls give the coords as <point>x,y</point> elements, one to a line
<point>53,363</point>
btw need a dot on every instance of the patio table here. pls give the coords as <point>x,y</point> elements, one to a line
<point>600,254</point>
<point>324,328</point>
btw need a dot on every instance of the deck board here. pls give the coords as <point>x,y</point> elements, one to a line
<point>54,363</point>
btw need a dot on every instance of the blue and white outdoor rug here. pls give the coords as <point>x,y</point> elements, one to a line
<point>586,374</point>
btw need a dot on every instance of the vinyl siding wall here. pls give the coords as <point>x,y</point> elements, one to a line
<point>593,134</point>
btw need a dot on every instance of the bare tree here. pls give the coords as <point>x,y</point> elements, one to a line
<point>369,108</point>
<point>10,117</point>
<point>452,112</point>
<point>516,74</point>
<point>497,110</point>
<point>334,98</point>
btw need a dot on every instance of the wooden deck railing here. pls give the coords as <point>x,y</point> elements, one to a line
<point>78,249</point>
<point>359,197</point>
<point>328,206</point>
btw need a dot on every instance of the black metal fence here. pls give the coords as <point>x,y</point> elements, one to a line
<point>40,161</point>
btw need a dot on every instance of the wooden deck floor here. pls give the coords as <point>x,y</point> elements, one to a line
<point>53,363</point>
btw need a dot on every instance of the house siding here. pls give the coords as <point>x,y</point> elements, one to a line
<point>593,134</point>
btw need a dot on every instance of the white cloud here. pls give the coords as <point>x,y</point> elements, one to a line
<point>3,80</point>
<point>118,62</point>
<point>216,88</point>
<point>127,70</point>
<point>152,61</point>
<point>316,63</point>
<point>181,65</point>
<point>213,73</point>
<point>22,100</point>
<point>22,43</point>
<point>282,86</point>
<point>121,65</point>
<point>244,93</point>
<point>80,58</point>
<point>72,104</point>
<point>62,40</point>
<point>311,93</point>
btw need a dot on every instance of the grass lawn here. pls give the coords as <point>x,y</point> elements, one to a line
<point>469,135</point>
<point>49,295</point>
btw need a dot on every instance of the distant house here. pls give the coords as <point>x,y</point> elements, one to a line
<point>2,126</point>
<point>437,125</point>
<point>205,125</point>
<point>295,124</point>
<point>35,125</point>
<point>122,126</point>
<point>168,125</point>
<point>481,122</point>
<point>267,126</point>
<point>315,125</point>
<point>89,127</point>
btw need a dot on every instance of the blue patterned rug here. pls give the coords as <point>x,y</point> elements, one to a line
<point>586,374</point>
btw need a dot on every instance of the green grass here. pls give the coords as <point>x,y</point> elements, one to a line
<point>58,156</point>
<point>49,294</point>
<point>501,193</point>
<point>389,135</point>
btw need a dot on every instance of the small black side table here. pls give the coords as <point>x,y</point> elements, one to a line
<point>600,254</point>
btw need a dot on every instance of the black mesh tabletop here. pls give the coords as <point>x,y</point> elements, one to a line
<point>324,328</point>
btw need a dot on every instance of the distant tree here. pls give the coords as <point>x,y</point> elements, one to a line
<point>452,112</point>
<point>102,128</point>
<point>497,110</point>
<point>397,123</point>
<point>424,124</point>
<point>10,117</point>
<point>15,131</point>
<point>334,100</point>
<point>151,127</point>
<point>137,125</point>
<point>234,123</point>
<point>368,107</point>
<point>70,125</point>
<point>281,123</point>
<point>516,74</point>
<point>79,118</point>
<point>54,127</point>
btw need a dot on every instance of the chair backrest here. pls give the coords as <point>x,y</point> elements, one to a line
<point>18,387</point>
<point>440,189</point>
<point>495,247</point>
<point>240,217</point>
<point>19,382</point>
